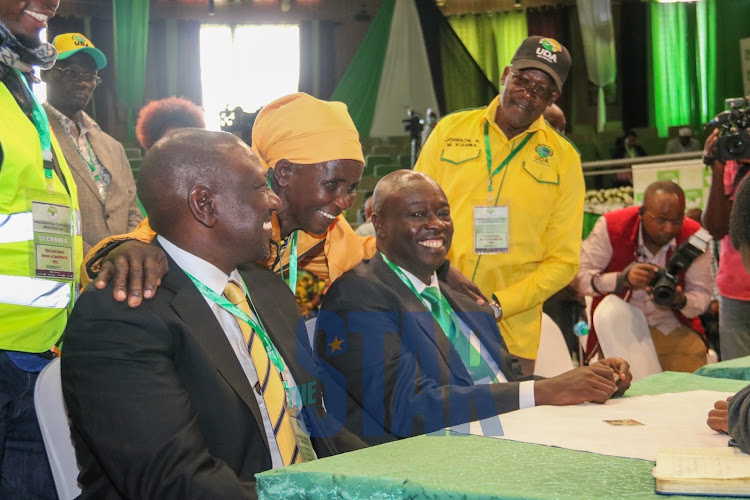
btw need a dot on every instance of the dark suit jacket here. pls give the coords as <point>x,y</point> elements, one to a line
<point>402,375</point>
<point>101,218</point>
<point>159,404</point>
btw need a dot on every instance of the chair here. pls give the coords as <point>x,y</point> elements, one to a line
<point>53,422</point>
<point>623,332</point>
<point>552,357</point>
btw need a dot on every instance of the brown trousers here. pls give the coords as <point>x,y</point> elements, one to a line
<point>683,350</point>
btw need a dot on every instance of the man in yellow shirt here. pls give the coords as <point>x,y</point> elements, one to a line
<point>516,188</point>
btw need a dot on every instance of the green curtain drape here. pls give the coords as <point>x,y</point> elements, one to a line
<point>491,38</point>
<point>683,56</point>
<point>130,19</point>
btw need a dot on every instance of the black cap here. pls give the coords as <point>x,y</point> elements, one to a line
<point>545,54</point>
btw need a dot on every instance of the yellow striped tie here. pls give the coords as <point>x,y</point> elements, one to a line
<point>270,384</point>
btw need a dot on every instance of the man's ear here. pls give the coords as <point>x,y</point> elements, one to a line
<point>377,223</point>
<point>282,172</point>
<point>506,71</point>
<point>202,205</point>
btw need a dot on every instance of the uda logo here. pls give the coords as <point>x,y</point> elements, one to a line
<point>79,40</point>
<point>542,154</point>
<point>548,49</point>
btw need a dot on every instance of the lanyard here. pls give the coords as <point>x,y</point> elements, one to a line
<point>90,162</point>
<point>260,330</point>
<point>488,153</point>
<point>443,302</point>
<point>39,117</point>
<point>292,281</point>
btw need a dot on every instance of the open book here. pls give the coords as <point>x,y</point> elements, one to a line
<point>703,471</point>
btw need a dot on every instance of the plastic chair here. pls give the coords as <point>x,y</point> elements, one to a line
<point>53,422</point>
<point>623,332</point>
<point>552,357</point>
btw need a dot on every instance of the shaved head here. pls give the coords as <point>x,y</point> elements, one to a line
<point>394,185</point>
<point>176,163</point>
<point>665,186</point>
<point>555,116</point>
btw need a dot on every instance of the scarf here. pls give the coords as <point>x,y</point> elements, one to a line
<point>16,55</point>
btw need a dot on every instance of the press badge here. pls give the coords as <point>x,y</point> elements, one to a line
<point>54,234</point>
<point>490,229</point>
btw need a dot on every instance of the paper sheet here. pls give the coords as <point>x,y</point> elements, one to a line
<point>675,420</point>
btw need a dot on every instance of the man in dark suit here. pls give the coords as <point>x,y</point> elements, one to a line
<point>173,399</point>
<point>408,370</point>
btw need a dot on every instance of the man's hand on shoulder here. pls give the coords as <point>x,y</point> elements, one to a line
<point>595,383</point>
<point>137,269</point>
<point>462,284</point>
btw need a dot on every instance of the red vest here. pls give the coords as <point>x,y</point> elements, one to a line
<point>622,227</point>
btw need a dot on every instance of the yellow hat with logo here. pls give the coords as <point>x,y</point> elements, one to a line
<point>68,44</point>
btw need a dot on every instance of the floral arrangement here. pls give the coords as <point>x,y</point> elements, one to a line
<point>601,201</point>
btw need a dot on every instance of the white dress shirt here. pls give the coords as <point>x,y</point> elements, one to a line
<point>596,252</point>
<point>216,280</point>
<point>525,389</point>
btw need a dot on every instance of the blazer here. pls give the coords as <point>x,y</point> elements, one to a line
<point>100,218</point>
<point>402,375</point>
<point>159,404</point>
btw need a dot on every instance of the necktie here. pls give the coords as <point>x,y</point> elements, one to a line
<point>443,314</point>
<point>269,381</point>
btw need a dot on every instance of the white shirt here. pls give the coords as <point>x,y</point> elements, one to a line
<point>215,279</point>
<point>596,252</point>
<point>525,389</point>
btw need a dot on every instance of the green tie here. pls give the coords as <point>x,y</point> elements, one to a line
<point>443,314</point>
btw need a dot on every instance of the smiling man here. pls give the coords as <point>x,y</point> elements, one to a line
<point>415,354</point>
<point>100,167</point>
<point>517,188</point>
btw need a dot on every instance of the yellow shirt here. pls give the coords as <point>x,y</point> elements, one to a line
<point>544,190</point>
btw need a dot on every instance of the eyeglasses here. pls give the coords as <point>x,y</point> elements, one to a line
<point>537,91</point>
<point>74,75</point>
<point>663,220</point>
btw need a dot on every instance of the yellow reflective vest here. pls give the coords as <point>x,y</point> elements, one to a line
<point>33,311</point>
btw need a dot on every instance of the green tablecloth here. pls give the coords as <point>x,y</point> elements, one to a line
<point>431,467</point>
<point>738,369</point>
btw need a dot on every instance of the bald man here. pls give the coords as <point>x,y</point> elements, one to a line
<point>408,368</point>
<point>622,255</point>
<point>184,397</point>
<point>556,118</point>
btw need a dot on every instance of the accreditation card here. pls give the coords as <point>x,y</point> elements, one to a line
<point>54,235</point>
<point>490,229</point>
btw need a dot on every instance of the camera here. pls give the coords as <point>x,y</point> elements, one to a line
<point>734,140</point>
<point>413,124</point>
<point>666,280</point>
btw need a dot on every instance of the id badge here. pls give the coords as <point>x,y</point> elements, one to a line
<point>54,235</point>
<point>294,410</point>
<point>491,229</point>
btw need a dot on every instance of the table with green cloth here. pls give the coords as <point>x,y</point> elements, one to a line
<point>738,369</point>
<point>461,467</point>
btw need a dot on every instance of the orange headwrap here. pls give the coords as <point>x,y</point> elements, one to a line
<point>305,130</point>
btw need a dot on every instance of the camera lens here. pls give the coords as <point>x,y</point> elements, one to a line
<point>737,147</point>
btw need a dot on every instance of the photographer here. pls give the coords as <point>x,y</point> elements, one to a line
<point>732,280</point>
<point>623,255</point>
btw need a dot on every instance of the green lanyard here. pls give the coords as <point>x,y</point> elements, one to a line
<point>488,153</point>
<point>222,302</point>
<point>90,162</point>
<point>292,282</point>
<point>39,117</point>
<point>407,282</point>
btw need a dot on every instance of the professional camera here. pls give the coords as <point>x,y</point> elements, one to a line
<point>734,139</point>
<point>664,283</point>
<point>413,124</point>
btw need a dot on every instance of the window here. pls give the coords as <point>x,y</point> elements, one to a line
<point>247,66</point>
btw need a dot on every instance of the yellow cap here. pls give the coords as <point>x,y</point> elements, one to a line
<point>68,44</point>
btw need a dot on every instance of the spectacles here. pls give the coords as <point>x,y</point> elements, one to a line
<point>663,220</point>
<point>537,91</point>
<point>74,75</point>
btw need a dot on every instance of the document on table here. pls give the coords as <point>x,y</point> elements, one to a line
<point>623,427</point>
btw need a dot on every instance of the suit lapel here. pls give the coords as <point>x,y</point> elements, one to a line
<point>73,158</point>
<point>192,309</point>
<point>412,303</point>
